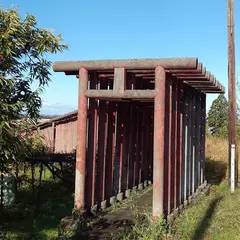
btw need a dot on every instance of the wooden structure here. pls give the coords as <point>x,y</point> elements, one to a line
<point>60,133</point>
<point>140,121</point>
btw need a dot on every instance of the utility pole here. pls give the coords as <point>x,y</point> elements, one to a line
<point>232,137</point>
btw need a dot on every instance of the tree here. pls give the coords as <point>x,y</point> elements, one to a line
<point>23,60</point>
<point>218,116</point>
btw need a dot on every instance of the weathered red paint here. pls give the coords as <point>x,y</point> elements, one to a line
<point>129,136</point>
<point>159,134</point>
<point>102,132</point>
<point>176,140</point>
<point>180,139</point>
<point>120,133</point>
<point>92,143</point>
<point>170,142</point>
<point>81,141</point>
<point>126,140</point>
<point>110,148</point>
<point>134,142</point>
<point>138,146</point>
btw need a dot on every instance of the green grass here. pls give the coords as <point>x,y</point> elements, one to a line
<point>215,217</point>
<point>21,220</point>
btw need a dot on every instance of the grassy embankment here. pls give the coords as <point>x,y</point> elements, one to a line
<point>216,216</point>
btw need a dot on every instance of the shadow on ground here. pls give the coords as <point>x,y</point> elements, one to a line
<point>102,230</point>
<point>215,171</point>
<point>205,222</point>
<point>24,222</point>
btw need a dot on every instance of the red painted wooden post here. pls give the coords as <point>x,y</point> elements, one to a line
<point>110,148</point>
<point>170,147</point>
<point>159,135</point>
<point>92,142</point>
<point>126,138</point>
<point>81,142</point>
<point>102,132</point>
<point>176,142</point>
<point>137,144</point>
<point>141,144</point>
<point>146,142</point>
<point>203,97</point>
<point>180,137</point>
<point>120,132</point>
<point>134,142</point>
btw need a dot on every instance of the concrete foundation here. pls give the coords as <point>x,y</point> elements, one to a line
<point>120,197</point>
<point>113,200</point>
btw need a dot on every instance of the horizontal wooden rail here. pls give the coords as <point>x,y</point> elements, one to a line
<point>127,94</point>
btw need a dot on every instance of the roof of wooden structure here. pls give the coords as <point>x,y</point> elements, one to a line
<point>190,70</point>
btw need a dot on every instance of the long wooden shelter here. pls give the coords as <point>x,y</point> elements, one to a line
<point>140,121</point>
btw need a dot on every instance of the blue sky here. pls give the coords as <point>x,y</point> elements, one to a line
<point>132,29</point>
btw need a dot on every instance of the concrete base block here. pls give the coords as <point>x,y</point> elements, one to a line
<point>149,182</point>
<point>197,191</point>
<point>190,199</point>
<point>207,189</point>
<point>185,203</point>
<point>128,193</point>
<point>195,198</point>
<point>201,194</point>
<point>120,197</point>
<point>140,186</point>
<point>94,208</point>
<point>205,183</point>
<point>170,218</point>
<point>145,184</point>
<point>134,189</point>
<point>181,208</point>
<point>113,200</point>
<point>104,204</point>
<point>176,212</point>
<point>200,188</point>
<point>194,195</point>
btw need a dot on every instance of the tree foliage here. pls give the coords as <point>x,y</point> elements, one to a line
<point>218,116</point>
<point>24,48</point>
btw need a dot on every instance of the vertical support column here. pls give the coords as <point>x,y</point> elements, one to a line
<point>111,143</point>
<point>134,142</point>
<point>126,140</point>
<point>151,145</point>
<point>170,145</point>
<point>102,141</point>
<point>92,142</point>
<point>194,172</point>
<point>131,85</point>
<point>146,142</point>
<point>131,150</point>
<point>141,146</point>
<point>180,139</point>
<point>176,143</point>
<point>198,142</point>
<point>186,143</point>
<point>81,141</point>
<point>190,127</point>
<point>137,139</point>
<point>203,133</point>
<point>159,135</point>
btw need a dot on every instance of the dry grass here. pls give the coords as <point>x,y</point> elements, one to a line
<point>216,149</point>
<point>216,216</point>
<point>217,158</point>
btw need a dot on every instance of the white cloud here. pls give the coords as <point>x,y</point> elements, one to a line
<point>48,104</point>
